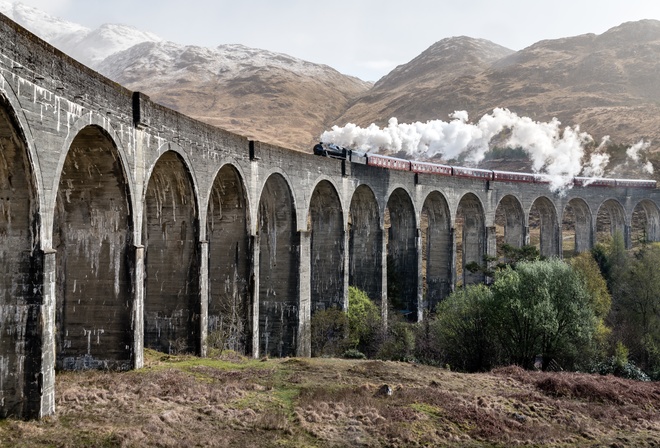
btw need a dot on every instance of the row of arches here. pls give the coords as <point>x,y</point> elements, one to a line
<point>238,282</point>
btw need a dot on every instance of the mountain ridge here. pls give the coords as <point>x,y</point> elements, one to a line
<point>608,83</point>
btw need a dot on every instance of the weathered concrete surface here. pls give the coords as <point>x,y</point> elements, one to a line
<point>229,313</point>
<point>365,243</point>
<point>402,265</point>
<point>278,269</point>
<point>171,306</point>
<point>92,236</point>
<point>124,224</point>
<point>437,244</point>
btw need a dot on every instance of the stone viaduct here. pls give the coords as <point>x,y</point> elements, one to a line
<point>125,225</point>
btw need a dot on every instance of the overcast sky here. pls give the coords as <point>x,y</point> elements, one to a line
<point>364,38</point>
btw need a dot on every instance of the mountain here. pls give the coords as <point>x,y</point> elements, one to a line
<point>87,46</point>
<point>94,46</point>
<point>42,24</point>
<point>266,96</point>
<point>609,84</point>
<point>409,92</point>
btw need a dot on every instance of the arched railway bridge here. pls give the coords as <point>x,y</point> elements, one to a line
<point>125,225</point>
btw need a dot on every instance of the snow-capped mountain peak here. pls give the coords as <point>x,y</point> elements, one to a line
<point>39,22</point>
<point>88,46</point>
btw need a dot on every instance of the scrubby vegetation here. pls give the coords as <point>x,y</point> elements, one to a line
<point>232,401</point>
<point>598,312</point>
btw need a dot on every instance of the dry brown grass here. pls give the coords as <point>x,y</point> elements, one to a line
<point>185,401</point>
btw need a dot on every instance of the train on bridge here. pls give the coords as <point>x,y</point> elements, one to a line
<point>394,163</point>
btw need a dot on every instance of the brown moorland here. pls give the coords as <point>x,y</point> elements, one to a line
<point>233,401</point>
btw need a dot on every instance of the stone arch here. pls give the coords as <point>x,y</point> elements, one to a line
<point>544,227</point>
<point>301,218</point>
<point>170,236</point>
<point>92,234</point>
<point>326,224</point>
<point>576,228</point>
<point>94,120</point>
<point>402,269</point>
<point>645,223</point>
<point>278,269</point>
<point>470,233</point>
<point>227,232</point>
<point>509,224</point>
<point>365,244</point>
<point>610,218</point>
<point>435,226</point>
<point>20,268</point>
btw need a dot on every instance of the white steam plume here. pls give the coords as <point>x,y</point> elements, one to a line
<point>553,151</point>
<point>635,153</point>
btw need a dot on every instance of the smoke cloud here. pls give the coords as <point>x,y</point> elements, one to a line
<point>636,153</point>
<point>556,152</point>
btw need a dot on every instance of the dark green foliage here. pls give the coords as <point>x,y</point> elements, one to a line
<point>542,307</point>
<point>619,365</point>
<point>633,279</point>
<point>352,353</point>
<point>364,321</point>
<point>628,370</point>
<point>538,308</point>
<point>399,342</point>
<point>329,332</point>
<point>461,333</point>
<point>511,256</point>
<point>637,307</point>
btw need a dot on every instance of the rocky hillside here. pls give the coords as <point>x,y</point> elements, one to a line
<point>410,92</point>
<point>266,96</point>
<point>609,84</point>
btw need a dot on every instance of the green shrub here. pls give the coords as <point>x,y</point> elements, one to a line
<point>352,353</point>
<point>399,342</point>
<point>612,366</point>
<point>329,332</point>
<point>364,322</point>
<point>460,333</point>
<point>542,307</point>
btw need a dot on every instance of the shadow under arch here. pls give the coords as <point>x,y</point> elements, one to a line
<point>544,227</point>
<point>92,234</point>
<point>227,232</point>
<point>279,265</point>
<point>610,219</point>
<point>509,224</point>
<point>437,238</point>
<point>402,266</point>
<point>365,244</point>
<point>470,236</point>
<point>21,271</point>
<point>326,223</point>
<point>577,234</point>
<point>170,232</point>
<point>644,223</point>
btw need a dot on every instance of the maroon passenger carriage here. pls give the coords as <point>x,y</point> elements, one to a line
<point>394,163</point>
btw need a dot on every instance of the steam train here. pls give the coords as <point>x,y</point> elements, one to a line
<point>335,151</point>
